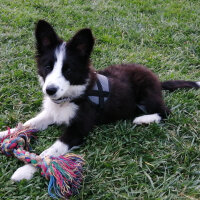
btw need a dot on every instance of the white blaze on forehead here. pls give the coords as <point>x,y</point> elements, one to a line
<point>60,54</point>
<point>56,78</point>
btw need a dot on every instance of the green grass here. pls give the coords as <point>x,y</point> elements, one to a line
<point>159,161</point>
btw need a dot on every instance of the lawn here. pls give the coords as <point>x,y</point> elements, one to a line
<point>123,161</point>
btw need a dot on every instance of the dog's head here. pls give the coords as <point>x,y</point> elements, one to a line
<point>63,67</point>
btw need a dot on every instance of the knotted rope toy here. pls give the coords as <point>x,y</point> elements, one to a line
<point>64,172</point>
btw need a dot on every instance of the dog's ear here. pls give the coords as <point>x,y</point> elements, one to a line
<point>82,42</point>
<point>45,35</point>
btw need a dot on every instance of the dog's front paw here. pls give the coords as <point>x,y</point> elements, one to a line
<point>50,152</point>
<point>31,123</point>
<point>57,149</point>
<point>3,134</point>
<point>25,172</point>
<point>36,123</point>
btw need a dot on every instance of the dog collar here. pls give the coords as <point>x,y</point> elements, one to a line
<point>62,100</point>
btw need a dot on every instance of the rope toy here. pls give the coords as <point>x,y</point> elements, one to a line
<point>64,172</point>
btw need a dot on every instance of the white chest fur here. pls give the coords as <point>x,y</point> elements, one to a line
<point>60,113</point>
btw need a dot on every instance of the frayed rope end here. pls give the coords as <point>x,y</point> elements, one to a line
<point>65,174</point>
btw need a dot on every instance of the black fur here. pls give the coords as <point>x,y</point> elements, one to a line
<point>46,37</point>
<point>174,85</point>
<point>130,84</point>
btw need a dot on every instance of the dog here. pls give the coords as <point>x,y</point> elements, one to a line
<point>77,96</point>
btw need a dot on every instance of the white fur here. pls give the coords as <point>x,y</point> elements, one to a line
<point>27,171</point>
<point>5,133</point>
<point>76,90</point>
<point>55,78</point>
<point>198,83</point>
<point>41,121</point>
<point>53,113</point>
<point>57,149</point>
<point>147,119</point>
<point>60,113</point>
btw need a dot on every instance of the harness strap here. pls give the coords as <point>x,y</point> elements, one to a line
<point>96,93</point>
<point>101,97</point>
<point>100,92</point>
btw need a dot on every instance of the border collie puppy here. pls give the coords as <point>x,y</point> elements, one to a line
<point>77,96</point>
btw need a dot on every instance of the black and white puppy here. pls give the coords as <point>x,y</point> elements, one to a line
<point>75,95</point>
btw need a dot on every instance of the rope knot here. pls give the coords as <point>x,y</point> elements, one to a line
<point>17,140</point>
<point>9,145</point>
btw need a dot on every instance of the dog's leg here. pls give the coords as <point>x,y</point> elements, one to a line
<point>40,122</point>
<point>155,108</point>
<point>5,133</point>
<point>72,137</point>
<point>27,171</point>
<point>57,149</point>
<point>147,119</point>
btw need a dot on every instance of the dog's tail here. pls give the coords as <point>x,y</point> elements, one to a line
<point>174,85</point>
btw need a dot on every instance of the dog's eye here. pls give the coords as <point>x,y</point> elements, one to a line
<point>48,68</point>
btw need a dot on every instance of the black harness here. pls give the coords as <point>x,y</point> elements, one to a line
<point>100,92</point>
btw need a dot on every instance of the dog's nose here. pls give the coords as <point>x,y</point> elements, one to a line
<point>51,90</point>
